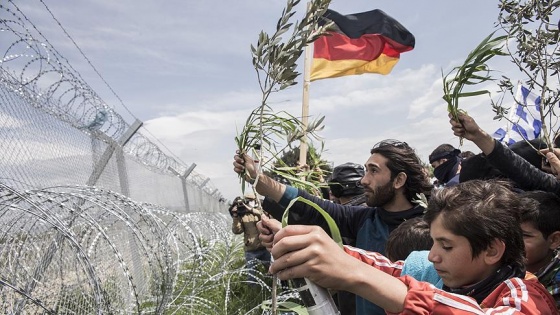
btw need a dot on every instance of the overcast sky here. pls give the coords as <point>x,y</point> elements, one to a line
<point>184,68</point>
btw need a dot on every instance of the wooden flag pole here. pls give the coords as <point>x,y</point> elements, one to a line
<point>305,105</point>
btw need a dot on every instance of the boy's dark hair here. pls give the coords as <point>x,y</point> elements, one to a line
<point>546,217</point>
<point>482,211</point>
<point>402,158</point>
<point>411,235</point>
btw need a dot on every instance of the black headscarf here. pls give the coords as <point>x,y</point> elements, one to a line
<point>447,170</point>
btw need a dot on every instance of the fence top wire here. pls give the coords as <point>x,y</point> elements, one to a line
<point>33,68</point>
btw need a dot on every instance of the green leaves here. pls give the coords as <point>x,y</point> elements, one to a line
<point>333,228</point>
<point>275,58</point>
<point>473,71</point>
<point>532,28</point>
<point>275,62</point>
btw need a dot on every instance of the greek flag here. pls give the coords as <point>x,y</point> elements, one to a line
<point>524,118</point>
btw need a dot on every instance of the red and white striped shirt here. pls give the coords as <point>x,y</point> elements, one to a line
<point>511,297</point>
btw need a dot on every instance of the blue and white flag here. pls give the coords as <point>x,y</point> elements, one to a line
<point>524,118</point>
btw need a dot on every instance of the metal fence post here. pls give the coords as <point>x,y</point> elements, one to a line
<point>183,178</point>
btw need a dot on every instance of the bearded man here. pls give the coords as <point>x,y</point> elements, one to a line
<point>393,183</point>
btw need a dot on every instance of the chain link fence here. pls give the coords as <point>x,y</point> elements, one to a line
<point>94,217</point>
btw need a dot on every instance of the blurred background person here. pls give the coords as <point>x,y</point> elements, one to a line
<point>446,161</point>
<point>246,214</point>
<point>344,184</point>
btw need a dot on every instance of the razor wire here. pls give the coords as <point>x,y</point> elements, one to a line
<point>69,249</point>
<point>94,217</point>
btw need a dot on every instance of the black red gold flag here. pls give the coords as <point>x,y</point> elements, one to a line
<point>367,42</point>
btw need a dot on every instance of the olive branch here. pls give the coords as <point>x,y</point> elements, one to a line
<point>533,28</point>
<point>275,63</point>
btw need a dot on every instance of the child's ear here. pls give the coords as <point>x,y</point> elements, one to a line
<point>554,240</point>
<point>494,252</point>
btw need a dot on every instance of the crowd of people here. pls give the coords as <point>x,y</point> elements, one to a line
<point>485,242</point>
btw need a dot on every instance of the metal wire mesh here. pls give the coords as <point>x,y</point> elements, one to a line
<point>94,217</point>
<point>34,74</point>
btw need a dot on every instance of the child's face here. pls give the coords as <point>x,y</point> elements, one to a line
<point>537,247</point>
<point>451,255</point>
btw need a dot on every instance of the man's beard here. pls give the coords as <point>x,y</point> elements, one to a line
<point>382,195</point>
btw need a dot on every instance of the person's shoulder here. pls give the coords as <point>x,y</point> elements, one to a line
<point>528,291</point>
<point>542,297</point>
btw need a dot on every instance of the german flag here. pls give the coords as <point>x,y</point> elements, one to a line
<point>367,42</point>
